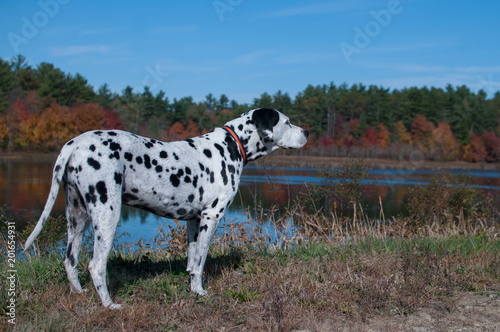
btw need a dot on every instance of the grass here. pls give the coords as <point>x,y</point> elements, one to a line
<point>258,284</point>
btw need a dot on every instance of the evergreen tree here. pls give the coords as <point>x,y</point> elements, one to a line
<point>105,97</point>
<point>7,82</point>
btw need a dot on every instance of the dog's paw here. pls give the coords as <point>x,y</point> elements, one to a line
<point>79,290</point>
<point>115,306</point>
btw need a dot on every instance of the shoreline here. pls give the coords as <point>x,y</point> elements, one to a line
<point>295,161</point>
<point>374,163</point>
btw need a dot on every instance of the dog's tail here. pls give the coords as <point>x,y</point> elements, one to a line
<point>57,175</point>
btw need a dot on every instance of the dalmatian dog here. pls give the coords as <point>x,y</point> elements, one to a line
<point>193,180</point>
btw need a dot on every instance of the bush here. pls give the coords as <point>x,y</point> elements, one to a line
<point>341,187</point>
<point>448,198</point>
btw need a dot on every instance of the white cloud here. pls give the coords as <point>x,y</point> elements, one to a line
<point>103,31</point>
<point>305,57</point>
<point>175,29</point>
<point>78,50</point>
<point>317,8</point>
<point>252,57</point>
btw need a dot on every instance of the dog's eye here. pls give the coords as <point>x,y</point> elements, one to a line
<point>288,123</point>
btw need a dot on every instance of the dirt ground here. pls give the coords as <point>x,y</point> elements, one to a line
<point>467,312</point>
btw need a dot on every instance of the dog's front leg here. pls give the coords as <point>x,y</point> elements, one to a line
<point>208,226</point>
<point>193,231</point>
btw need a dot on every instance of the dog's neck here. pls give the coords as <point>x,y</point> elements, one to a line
<point>252,142</point>
<point>238,141</point>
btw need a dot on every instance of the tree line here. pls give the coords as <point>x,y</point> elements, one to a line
<point>42,107</point>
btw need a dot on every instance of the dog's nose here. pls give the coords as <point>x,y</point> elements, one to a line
<point>306,133</point>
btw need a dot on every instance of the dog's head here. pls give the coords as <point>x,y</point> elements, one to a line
<point>264,130</point>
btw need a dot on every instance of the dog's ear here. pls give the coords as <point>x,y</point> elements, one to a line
<point>265,119</point>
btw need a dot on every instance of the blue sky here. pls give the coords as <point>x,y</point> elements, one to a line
<point>243,48</point>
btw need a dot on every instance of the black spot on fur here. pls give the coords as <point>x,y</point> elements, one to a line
<point>191,198</point>
<point>159,169</point>
<point>90,197</point>
<point>118,178</point>
<point>240,127</point>
<point>204,228</point>
<point>202,167</point>
<point>128,156</point>
<point>214,203</point>
<point>195,181</point>
<point>70,142</point>
<point>176,157</point>
<point>115,155</point>
<point>92,148</point>
<point>223,173</point>
<point>212,177</point>
<point>221,150</point>
<point>115,146</point>
<point>174,179</point>
<point>188,170</point>
<point>207,153</point>
<point>57,168</point>
<point>191,143</point>
<point>187,179</point>
<point>147,161</point>
<point>135,190</point>
<point>98,133</point>
<point>112,133</point>
<point>94,163</point>
<point>149,145</point>
<point>181,212</point>
<point>163,154</point>
<point>69,255</point>
<point>138,160</point>
<point>234,150</point>
<point>201,191</point>
<point>102,191</point>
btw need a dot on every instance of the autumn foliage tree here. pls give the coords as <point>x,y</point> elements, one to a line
<point>421,133</point>
<point>446,144</point>
<point>383,136</point>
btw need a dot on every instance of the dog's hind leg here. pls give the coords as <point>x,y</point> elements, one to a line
<point>105,216</point>
<point>77,217</point>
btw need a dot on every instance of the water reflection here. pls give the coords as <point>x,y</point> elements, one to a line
<point>24,187</point>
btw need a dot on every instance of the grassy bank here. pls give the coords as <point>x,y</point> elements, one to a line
<point>259,282</point>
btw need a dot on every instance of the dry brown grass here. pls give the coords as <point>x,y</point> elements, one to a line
<point>316,277</point>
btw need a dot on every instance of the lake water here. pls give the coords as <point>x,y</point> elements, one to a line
<point>24,187</point>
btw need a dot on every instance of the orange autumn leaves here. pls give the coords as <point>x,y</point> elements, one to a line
<point>50,128</point>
